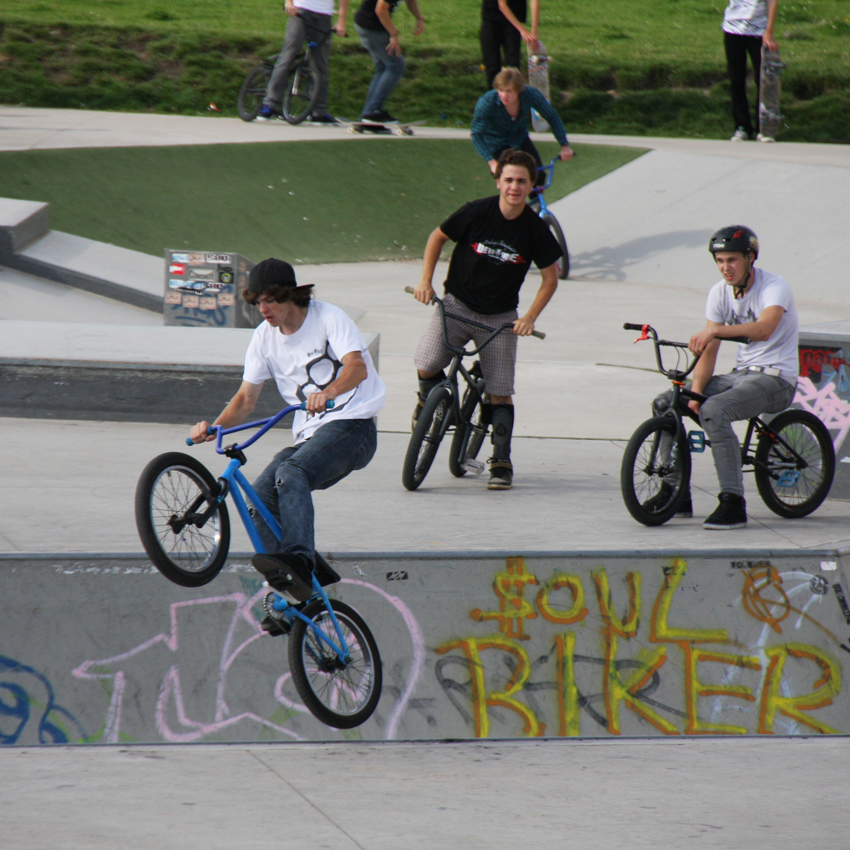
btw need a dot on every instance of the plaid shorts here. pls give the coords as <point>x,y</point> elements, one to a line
<point>498,359</point>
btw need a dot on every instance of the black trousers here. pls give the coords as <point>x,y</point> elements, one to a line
<point>498,36</point>
<point>738,47</point>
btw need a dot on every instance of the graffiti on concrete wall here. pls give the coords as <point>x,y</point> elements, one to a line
<point>207,676</point>
<point>29,713</point>
<point>824,389</point>
<point>649,652</point>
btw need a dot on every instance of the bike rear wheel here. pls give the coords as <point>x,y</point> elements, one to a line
<point>302,91</point>
<point>342,694</point>
<point>426,436</point>
<point>555,227</point>
<point>173,488</point>
<point>794,483</point>
<point>253,91</point>
<point>469,433</point>
<point>656,471</point>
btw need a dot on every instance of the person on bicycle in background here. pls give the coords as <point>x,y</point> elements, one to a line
<point>752,303</point>
<point>309,20</point>
<point>314,353</point>
<point>500,121</point>
<point>497,239</point>
<point>379,35</point>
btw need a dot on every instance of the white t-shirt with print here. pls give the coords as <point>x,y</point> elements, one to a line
<point>745,17</point>
<point>308,360</point>
<point>768,290</point>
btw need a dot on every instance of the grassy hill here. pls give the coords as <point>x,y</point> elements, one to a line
<point>619,66</point>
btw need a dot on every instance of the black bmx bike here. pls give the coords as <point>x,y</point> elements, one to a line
<point>302,88</point>
<point>791,456</point>
<point>446,410</point>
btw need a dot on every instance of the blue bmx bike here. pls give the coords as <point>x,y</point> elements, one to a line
<point>183,522</point>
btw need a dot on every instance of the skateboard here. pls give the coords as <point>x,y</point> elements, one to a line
<point>396,129</point>
<point>769,117</point>
<point>538,78</point>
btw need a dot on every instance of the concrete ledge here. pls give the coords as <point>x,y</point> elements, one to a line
<point>21,222</point>
<point>117,273</point>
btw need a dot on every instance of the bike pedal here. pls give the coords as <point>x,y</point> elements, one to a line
<point>476,467</point>
<point>788,478</point>
<point>696,441</point>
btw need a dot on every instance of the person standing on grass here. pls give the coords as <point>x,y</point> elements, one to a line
<point>497,239</point>
<point>503,31</point>
<point>500,120</point>
<point>309,20</point>
<point>747,24</point>
<point>373,23</point>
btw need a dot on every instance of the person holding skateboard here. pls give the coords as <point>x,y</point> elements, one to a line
<point>501,120</point>
<point>374,25</point>
<point>503,30</point>
<point>747,24</point>
<point>496,241</point>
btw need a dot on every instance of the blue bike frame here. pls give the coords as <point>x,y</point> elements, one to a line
<point>233,482</point>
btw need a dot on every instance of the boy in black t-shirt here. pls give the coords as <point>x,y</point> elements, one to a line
<point>497,239</point>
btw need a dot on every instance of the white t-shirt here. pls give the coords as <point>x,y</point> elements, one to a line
<point>320,7</point>
<point>768,290</point>
<point>745,17</point>
<point>308,360</point>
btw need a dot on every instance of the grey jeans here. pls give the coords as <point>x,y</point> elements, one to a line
<point>306,26</point>
<point>734,396</point>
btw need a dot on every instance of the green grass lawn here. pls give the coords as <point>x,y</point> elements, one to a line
<point>627,66</point>
<point>308,202</point>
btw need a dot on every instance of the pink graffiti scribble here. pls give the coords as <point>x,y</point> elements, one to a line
<point>827,405</point>
<point>171,693</point>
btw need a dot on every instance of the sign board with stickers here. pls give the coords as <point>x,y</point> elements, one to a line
<point>203,289</point>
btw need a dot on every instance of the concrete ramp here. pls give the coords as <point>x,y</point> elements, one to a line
<point>490,645</point>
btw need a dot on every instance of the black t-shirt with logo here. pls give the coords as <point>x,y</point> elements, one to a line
<point>493,254</point>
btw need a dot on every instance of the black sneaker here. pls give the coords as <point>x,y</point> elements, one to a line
<point>730,513</point>
<point>686,508</point>
<point>286,572</point>
<point>379,116</point>
<point>323,118</point>
<point>501,475</point>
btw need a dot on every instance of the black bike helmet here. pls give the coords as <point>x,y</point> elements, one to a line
<point>734,238</point>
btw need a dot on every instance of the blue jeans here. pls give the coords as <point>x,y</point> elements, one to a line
<point>734,396</point>
<point>388,69</point>
<point>286,483</point>
<point>306,26</point>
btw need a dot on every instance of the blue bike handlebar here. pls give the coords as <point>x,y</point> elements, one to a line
<point>262,424</point>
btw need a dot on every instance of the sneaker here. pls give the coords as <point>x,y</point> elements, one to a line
<point>266,113</point>
<point>740,135</point>
<point>659,501</point>
<point>379,116</point>
<point>730,513</point>
<point>416,411</point>
<point>287,573</point>
<point>501,475</point>
<point>323,118</point>
<point>762,138</point>
<point>686,508</point>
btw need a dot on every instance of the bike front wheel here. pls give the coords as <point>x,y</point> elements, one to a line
<point>656,471</point>
<point>426,437</point>
<point>340,693</point>
<point>794,472</point>
<point>302,91</point>
<point>253,91</point>
<point>174,490</point>
<point>555,226</point>
<point>469,433</point>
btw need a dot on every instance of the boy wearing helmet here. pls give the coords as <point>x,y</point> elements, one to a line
<point>314,353</point>
<point>752,303</point>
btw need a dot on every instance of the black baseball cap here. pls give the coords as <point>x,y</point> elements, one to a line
<point>269,273</point>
